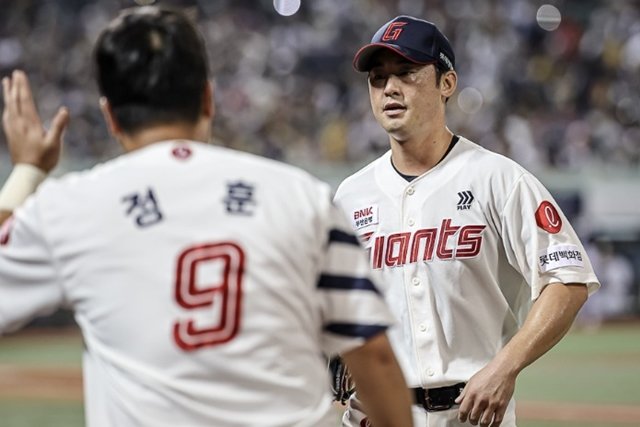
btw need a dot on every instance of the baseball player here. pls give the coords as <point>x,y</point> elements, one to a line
<point>209,285</point>
<point>483,270</point>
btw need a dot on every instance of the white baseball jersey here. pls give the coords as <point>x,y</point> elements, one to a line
<point>207,284</point>
<point>463,249</point>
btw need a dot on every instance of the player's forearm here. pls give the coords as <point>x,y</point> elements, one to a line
<point>380,383</point>
<point>22,182</point>
<point>550,318</point>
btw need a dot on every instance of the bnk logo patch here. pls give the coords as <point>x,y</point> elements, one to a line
<point>364,217</point>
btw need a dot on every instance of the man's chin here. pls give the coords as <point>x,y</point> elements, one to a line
<point>392,125</point>
<point>395,130</point>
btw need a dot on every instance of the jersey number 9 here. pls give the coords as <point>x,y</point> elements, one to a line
<point>223,297</point>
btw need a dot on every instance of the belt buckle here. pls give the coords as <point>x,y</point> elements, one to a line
<point>435,407</point>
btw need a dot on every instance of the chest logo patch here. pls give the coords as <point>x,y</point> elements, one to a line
<point>464,201</point>
<point>548,218</point>
<point>364,217</point>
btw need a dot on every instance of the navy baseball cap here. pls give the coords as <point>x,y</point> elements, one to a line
<point>415,39</point>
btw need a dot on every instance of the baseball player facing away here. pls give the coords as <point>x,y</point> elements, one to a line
<point>484,271</point>
<point>207,283</point>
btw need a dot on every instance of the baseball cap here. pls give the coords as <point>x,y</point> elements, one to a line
<point>415,39</point>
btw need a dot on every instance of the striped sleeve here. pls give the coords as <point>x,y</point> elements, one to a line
<point>353,308</point>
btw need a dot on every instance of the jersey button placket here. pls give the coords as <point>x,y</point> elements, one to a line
<point>409,192</point>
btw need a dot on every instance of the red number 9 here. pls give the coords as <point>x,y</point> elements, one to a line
<point>191,296</point>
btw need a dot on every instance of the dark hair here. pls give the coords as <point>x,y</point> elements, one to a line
<point>440,71</point>
<point>151,65</point>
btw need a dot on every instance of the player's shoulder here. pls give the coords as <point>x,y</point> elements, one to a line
<point>489,163</point>
<point>257,163</point>
<point>161,155</point>
<point>61,184</point>
<point>362,178</point>
<point>275,173</point>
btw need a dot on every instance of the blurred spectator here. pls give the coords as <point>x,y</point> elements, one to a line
<point>614,300</point>
<point>561,99</point>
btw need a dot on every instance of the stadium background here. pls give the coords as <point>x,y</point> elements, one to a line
<point>557,93</point>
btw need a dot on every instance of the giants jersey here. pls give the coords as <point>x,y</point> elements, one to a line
<point>207,284</point>
<point>463,250</point>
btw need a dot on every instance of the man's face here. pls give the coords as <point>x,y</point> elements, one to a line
<point>405,98</point>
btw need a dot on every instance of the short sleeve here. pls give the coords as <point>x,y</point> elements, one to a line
<point>539,241</point>
<point>29,284</point>
<point>353,308</point>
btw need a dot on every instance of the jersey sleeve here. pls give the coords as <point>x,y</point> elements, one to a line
<point>353,308</point>
<point>539,241</point>
<point>29,284</point>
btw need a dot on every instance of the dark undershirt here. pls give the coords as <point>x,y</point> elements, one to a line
<point>410,178</point>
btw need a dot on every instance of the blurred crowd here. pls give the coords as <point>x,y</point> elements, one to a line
<point>564,100</point>
<point>285,88</point>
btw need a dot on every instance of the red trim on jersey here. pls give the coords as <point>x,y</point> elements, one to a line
<point>5,231</point>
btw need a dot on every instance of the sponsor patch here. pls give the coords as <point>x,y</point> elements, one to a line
<point>464,201</point>
<point>364,217</point>
<point>548,218</point>
<point>560,256</point>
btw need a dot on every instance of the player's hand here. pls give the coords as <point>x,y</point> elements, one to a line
<point>28,141</point>
<point>486,396</point>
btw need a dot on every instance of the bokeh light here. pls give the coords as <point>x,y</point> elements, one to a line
<point>470,100</point>
<point>286,7</point>
<point>548,17</point>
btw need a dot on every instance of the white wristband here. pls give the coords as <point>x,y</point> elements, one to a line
<point>23,181</point>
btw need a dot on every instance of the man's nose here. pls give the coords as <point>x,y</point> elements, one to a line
<point>392,85</point>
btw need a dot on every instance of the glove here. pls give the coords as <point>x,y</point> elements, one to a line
<point>342,384</point>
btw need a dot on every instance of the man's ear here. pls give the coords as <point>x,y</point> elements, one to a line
<point>112,124</point>
<point>448,84</point>
<point>208,103</point>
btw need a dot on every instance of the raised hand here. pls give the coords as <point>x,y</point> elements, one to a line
<point>28,141</point>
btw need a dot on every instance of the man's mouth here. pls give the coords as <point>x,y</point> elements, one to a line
<point>393,108</point>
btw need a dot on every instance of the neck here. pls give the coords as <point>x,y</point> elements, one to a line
<point>153,134</point>
<point>418,155</point>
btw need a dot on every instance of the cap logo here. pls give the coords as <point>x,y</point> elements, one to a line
<point>393,31</point>
<point>446,60</point>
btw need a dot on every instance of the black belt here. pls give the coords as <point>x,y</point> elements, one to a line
<point>437,399</point>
